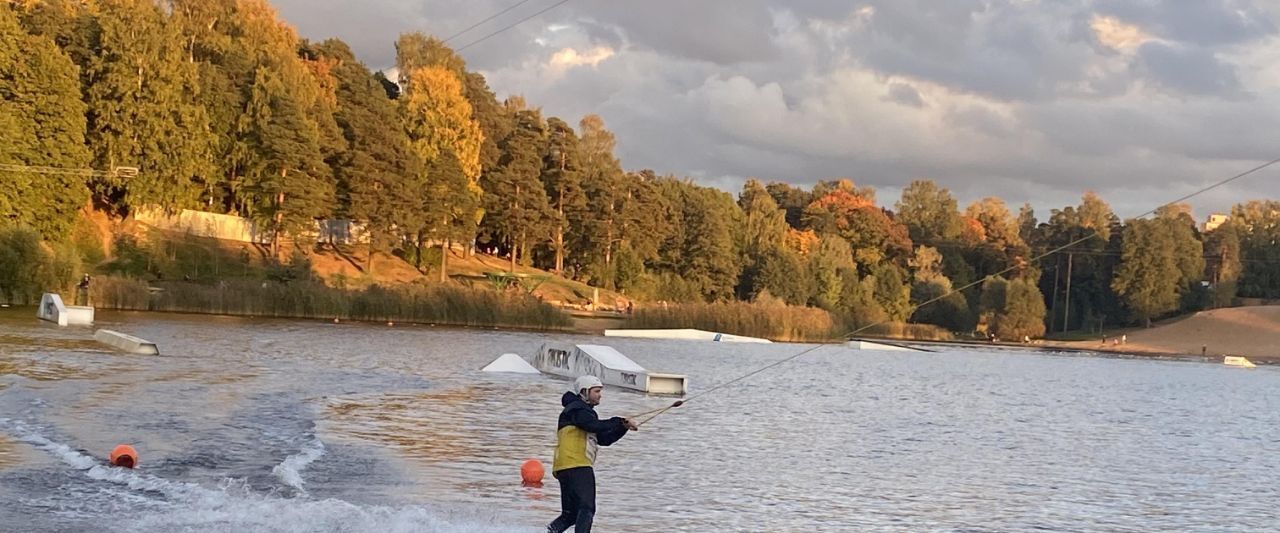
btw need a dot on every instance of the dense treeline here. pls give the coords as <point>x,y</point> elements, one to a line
<point>222,108</point>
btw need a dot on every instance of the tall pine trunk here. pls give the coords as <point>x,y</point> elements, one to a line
<point>444,252</point>
<point>560,224</point>
<point>444,261</point>
<point>608,244</point>
<point>417,257</point>
<point>275,236</point>
<point>512,243</point>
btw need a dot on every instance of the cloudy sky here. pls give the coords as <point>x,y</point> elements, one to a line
<point>1031,100</point>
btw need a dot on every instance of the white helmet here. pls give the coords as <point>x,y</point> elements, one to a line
<point>586,382</point>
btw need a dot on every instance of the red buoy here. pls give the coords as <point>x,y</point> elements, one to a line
<point>531,473</point>
<point>125,456</point>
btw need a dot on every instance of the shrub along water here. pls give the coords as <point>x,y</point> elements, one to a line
<point>30,267</point>
<point>437,304</point>
<point>774,320</point>
<point>901,330</point>
<point>770,320</point>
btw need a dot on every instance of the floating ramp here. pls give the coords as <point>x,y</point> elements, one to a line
<point>1234,360</point>
<point>681,334</point>
<point>860,344</point>
<point>510,362</point>
<point>126,343</point>
<point>52,309</point>
<point>614,369</point>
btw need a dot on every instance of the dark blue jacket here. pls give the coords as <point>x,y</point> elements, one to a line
<point>577,412</point>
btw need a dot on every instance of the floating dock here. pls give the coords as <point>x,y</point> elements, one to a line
<point>681,334</point>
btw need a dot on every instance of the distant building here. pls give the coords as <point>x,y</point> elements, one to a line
<point>1215,220</point>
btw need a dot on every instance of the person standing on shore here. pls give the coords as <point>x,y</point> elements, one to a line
<point>82,291</point>
<point>579,435</point>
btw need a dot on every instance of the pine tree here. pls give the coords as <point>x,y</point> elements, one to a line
<point>702,248</point>
<point>292,184</point>
<point>245,57</point>
<point>516,206</point>
<point>782,274</point>
<point>1258,223</point>
<point>562,178</point>
<point>487,113</point>
<point>791,199</point>
<point>71,24</point>
<point>417,50</point>
<point>857,300</point>
<point>442,133</point>
<point>144,110</point>
<point>378,176</point>
<point>600,230</point>
<point>1223,266</point>
<point>647,217</point>
<point>929,212</point>
<point>763,235</point>
<point>1188,250</point>
<point>891,291</point>
<point>438,118</point>
<point>1148,276</point>
<point>1024,311</point>
<point>933,302</point>
<point>765,225</point>
<point>454,200</point>
<point>828,264</point>
<point>42,123</point>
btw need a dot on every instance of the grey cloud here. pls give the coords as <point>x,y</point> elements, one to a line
<point>1002,50</point>
<point>1205,129</point>
<point>371,28</point>
<point>904,94</point>
<point>1054,114</point>
<point>980,120</point>
<point>1187,69</point>
<point>1200,22</point>
<point>719,31</point>
<point>371,33</point>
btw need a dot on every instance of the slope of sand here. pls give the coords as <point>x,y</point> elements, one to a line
<point>1253,332</point>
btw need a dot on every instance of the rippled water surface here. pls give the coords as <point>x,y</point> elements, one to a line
<point>276,425</point>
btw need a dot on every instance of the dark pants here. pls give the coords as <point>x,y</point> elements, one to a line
<point>577,500</point>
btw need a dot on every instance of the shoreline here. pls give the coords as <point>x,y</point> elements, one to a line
<point>1125,351</point>
<point>327,320</point>
<point>594,324</point>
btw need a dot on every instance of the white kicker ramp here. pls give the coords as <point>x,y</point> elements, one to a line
<point>510,362</point>
<point>52,309</point>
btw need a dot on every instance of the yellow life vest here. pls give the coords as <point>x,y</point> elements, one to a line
<point>575,447</point>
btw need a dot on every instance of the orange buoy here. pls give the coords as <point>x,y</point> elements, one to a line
<point>531,473</point>
<point>124,455</point>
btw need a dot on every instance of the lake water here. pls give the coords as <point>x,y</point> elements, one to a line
<point>282,426</point>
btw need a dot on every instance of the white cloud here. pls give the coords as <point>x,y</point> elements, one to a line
<point>568,58</point>
<point>1117,34</point>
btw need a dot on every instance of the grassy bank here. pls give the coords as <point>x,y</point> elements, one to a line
<point>769,320</point>
<point>436,304</point>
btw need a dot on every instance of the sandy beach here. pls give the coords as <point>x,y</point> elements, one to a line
<point>1253,332</point>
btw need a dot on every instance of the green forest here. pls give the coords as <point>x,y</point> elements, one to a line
<point>221,107</point>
